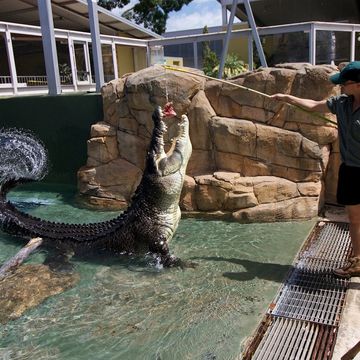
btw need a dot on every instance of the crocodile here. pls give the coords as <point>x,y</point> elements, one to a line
<point>146,226</point>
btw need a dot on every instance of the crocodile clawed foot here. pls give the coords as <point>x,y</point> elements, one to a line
<point>60,262</point>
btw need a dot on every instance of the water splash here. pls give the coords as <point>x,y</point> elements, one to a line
<point>23,156</point>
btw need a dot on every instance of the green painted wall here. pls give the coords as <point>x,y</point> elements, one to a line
<point>61,122</point>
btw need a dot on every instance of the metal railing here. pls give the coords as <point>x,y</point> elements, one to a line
<point>311,29</point>
<point>14,84</point>
<point>32,80</point>
<point>5,80</point>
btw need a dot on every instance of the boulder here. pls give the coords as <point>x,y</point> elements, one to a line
<point>270,189</point>
<point>111,92</point>
<point>209,197</point>
<point>235,201</point>
<point>132,148</point>
<point>156,85</point>
<point>187,199</point>
<point>102,129</point>
<point>29,286</point>
<point>201,162</point>
<point>103,149</point>
<point>234,136</point>
<point>259,159</point>
<point>201,112</point>
<point>117,180</point>
<point>303,208</point>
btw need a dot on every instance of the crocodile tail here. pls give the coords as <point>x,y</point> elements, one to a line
<point>23,158</point>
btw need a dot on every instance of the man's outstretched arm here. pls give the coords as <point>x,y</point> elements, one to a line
<point>308,104</point>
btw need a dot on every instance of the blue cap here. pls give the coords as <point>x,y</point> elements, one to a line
<point>351,72</point>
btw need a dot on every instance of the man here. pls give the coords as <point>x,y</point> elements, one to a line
<point>347,109</point>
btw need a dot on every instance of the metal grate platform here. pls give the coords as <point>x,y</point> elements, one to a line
<point>302,321</point>
<point>320,306</point>
<point>327,248</point>
<point>293,339</point>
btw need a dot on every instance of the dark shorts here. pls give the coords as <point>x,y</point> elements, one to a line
<point>348,189</point>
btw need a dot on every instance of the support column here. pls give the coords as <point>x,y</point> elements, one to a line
<point>11,61</point>
<point>352,45</point>
<point>72,62</point>
<point>312,45</point>
<point>115,62</point>
<point>196,63</point>
<point>227,39</point>
<point>148,55</point>
<point>224,12</point>
<point>255,33</point>
<point>250,52</point>
<point>96,45</point>
<point>49,46</point>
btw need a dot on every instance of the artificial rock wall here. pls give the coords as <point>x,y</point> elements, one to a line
<point>253,159</point>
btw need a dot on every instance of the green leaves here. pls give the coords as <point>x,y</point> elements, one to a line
<point>233,65</point>
<point>152,14</point>
<point>112,4</point>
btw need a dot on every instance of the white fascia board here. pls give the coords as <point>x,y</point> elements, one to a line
<point>75,35</point>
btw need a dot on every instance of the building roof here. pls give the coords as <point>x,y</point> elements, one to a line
<point>277,12</point>
<point>72,15</point>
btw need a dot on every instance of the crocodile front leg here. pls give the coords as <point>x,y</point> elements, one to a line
<point>160,250</point>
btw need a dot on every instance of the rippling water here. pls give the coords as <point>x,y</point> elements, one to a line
<point>125,309</point>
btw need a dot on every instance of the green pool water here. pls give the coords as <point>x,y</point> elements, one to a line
<point>124,309</point>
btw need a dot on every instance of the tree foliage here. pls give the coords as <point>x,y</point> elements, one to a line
<point>233,65</point>
<point>112,4</point>
<point>210,60</point>
<point>152,14</point>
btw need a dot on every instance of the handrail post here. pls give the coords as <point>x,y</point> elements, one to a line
<point>96,44</point>
<point>352,45</point>
<point>255,33</point>
<point>195,49</point>
<point>49,46</point>
<point>11,61</point>
<point>72,62</point>
<point>250,52</point>
<point>227,39</point>
<point>148,55</point>
<point>224,13</point>
<point>312,45</point>
<point>115,63</point>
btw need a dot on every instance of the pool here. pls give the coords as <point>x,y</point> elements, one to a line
<point>124,308</point>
